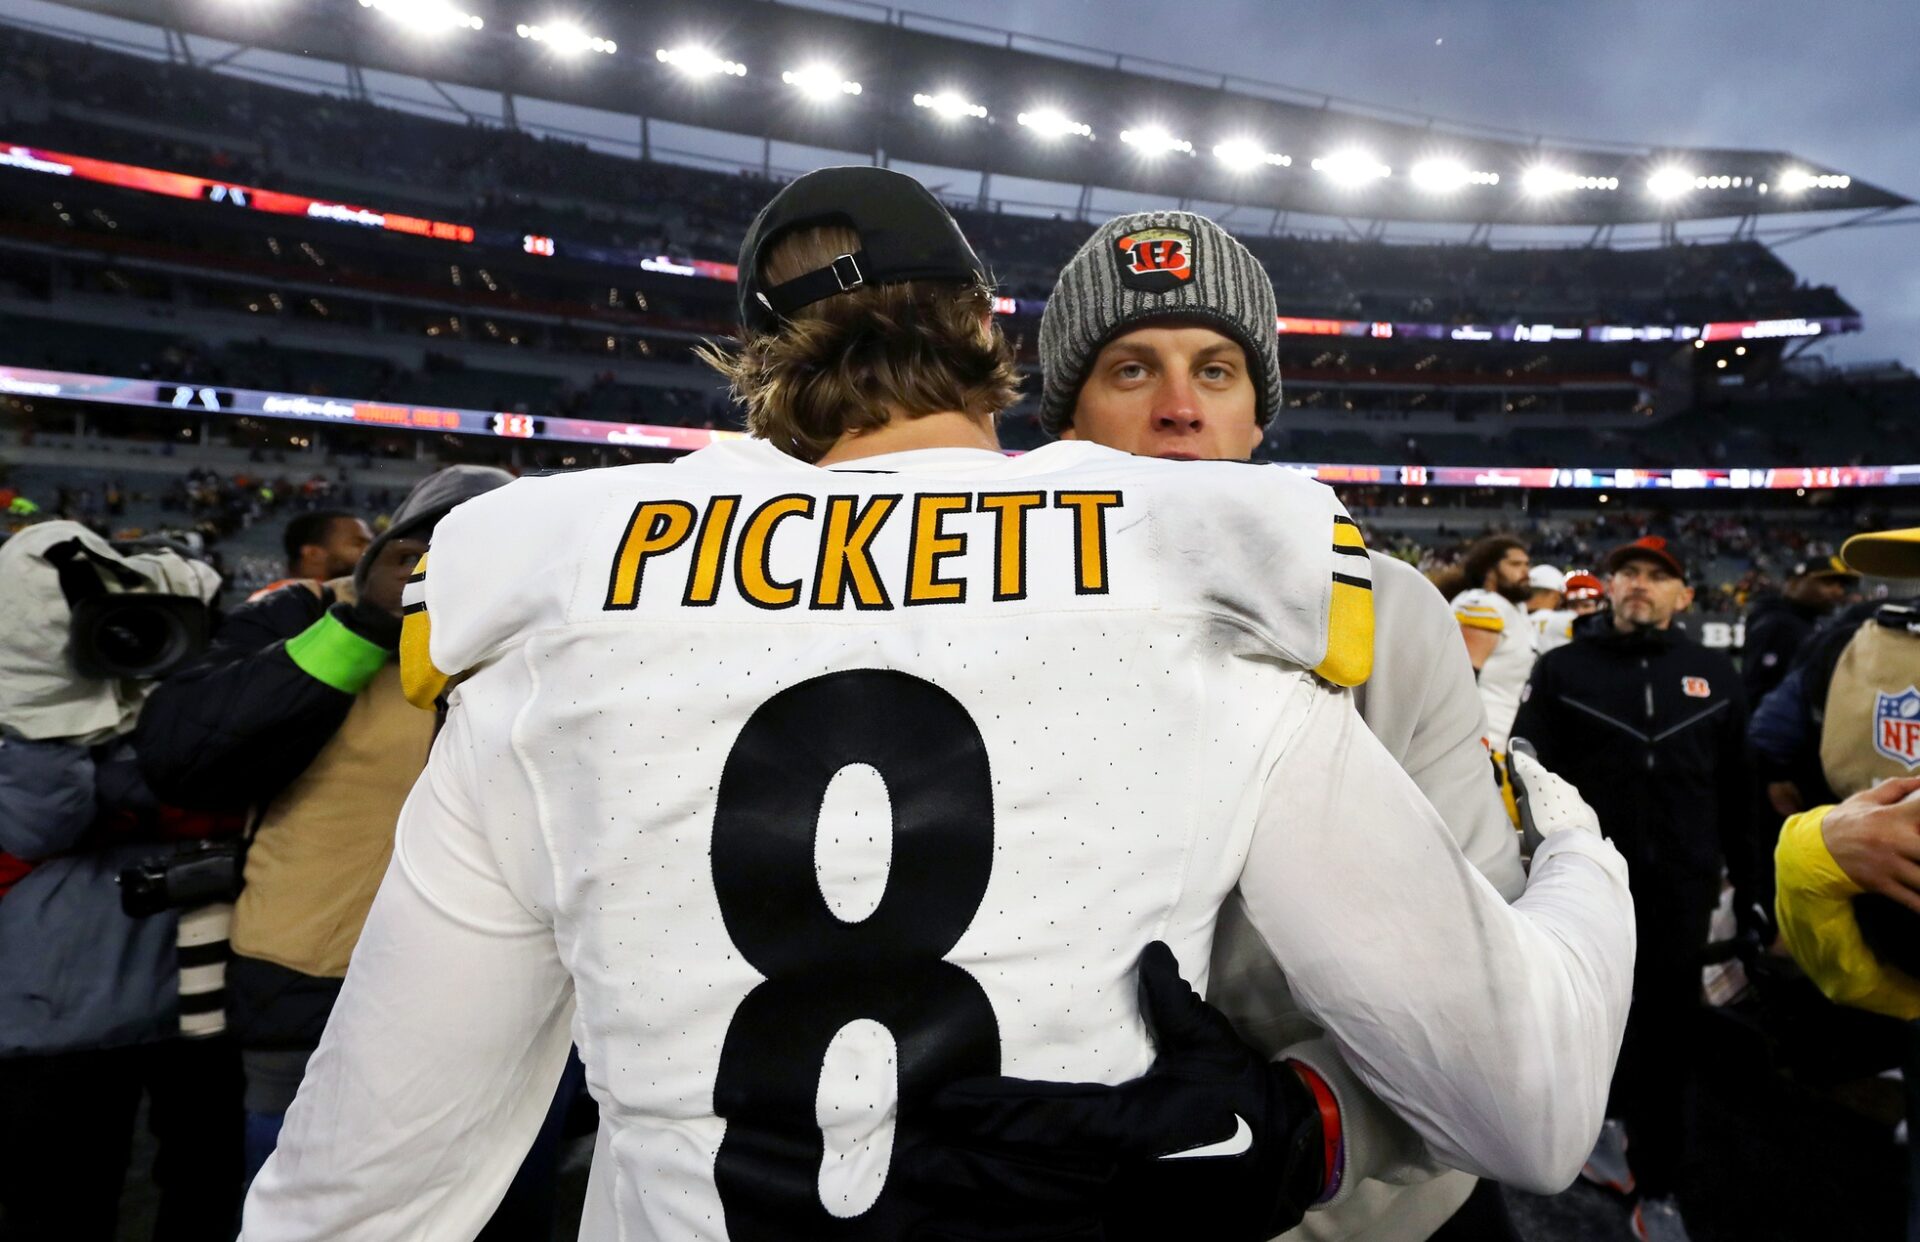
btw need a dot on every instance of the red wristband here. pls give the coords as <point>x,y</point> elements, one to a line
<point>1332,1149</point>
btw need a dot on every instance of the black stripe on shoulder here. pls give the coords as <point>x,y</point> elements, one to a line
<point>1344,550</point>
<point>420,576</point>
<point>202,954</point>
<point>408,610</point>
<point>203,1002</point>
<point>1350,580</point>
<point>1341,519</point>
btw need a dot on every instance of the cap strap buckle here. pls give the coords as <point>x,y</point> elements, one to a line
<point>843,275</point>
<point>846,270</point>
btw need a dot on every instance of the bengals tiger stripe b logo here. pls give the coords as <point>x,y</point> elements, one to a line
<point>1155,260</point>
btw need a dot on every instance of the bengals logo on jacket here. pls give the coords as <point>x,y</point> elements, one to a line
<point>1155,260</point>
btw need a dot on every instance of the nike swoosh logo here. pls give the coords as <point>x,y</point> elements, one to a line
<point>1241,1141</point>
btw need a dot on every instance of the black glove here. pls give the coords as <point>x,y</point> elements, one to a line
<point>1213,1140</point>
<point>375,624</point>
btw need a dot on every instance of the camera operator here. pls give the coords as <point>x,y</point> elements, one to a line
<point>108,991</point>
<point>296,712</point>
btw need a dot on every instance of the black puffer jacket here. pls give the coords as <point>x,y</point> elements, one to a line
<point>1775,630</point>
<point>235,727</point>
<point>1651,728</point>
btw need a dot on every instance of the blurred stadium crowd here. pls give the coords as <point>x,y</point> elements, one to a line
<point>232,517</point>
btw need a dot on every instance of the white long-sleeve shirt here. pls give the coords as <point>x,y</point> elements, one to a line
<point>721,801</point>
<point>1421,701</point>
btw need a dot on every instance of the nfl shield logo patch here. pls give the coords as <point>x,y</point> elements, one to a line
<point>1896,726</point>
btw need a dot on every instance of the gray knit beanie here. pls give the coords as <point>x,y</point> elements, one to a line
<point>1155,265</point>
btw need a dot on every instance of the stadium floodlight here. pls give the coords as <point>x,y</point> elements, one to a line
<point>821,82</point>
<point>1351,167</point>
<point>1670,181</point>
<point>1051,123</point>
<point>950,107</point>
<point>567,39</point>
<point>698,62</point>
<point>1443,176</point>
<point>1544,179</point>
<point>1798,180</point>
<point>1153,140</point>
<point>1245,155</point>
<point>427,16</point>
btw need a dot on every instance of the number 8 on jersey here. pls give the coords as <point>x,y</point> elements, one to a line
<point>822,973</point>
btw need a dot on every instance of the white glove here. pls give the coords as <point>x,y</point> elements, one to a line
<point>1547,803</point>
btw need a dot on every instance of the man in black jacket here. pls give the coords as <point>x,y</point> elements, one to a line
<point>1650,728</point>
<point>1777,625</point>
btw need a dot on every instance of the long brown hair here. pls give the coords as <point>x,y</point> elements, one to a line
<point>1483,554</point>
<point>853,361</point>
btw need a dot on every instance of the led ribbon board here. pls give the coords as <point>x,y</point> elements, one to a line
<point>251,198</point>
<point>209,401</point>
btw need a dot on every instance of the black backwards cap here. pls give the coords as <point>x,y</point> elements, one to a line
<point>905,234</point>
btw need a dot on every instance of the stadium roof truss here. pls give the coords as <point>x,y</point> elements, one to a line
<point>893,85</point>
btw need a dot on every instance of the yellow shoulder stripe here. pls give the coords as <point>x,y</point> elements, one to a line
<point>1349,659</point>
<point>1480,620</point>
<point>1349,636</point>
<point>422,683</point>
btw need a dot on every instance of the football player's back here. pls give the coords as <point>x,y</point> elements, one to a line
<point>837,786</point>
<point>794,792</point>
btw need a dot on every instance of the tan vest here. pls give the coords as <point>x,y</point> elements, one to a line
<point>1859,744</point>
<point>323,844</point>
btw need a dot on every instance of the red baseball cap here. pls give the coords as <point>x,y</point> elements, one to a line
<point>1650,548</point>
<point>1584,586</point>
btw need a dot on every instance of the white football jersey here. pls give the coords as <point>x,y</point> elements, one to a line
<point>1505,672</point>
<point>791,794</point>
<point>1552,627</point>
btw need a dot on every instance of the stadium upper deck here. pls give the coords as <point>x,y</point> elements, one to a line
<point>933,93</point>
<point>393,259</point>
<point>505,190</point>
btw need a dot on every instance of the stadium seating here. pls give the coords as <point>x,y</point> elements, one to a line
<point>109,105</point>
